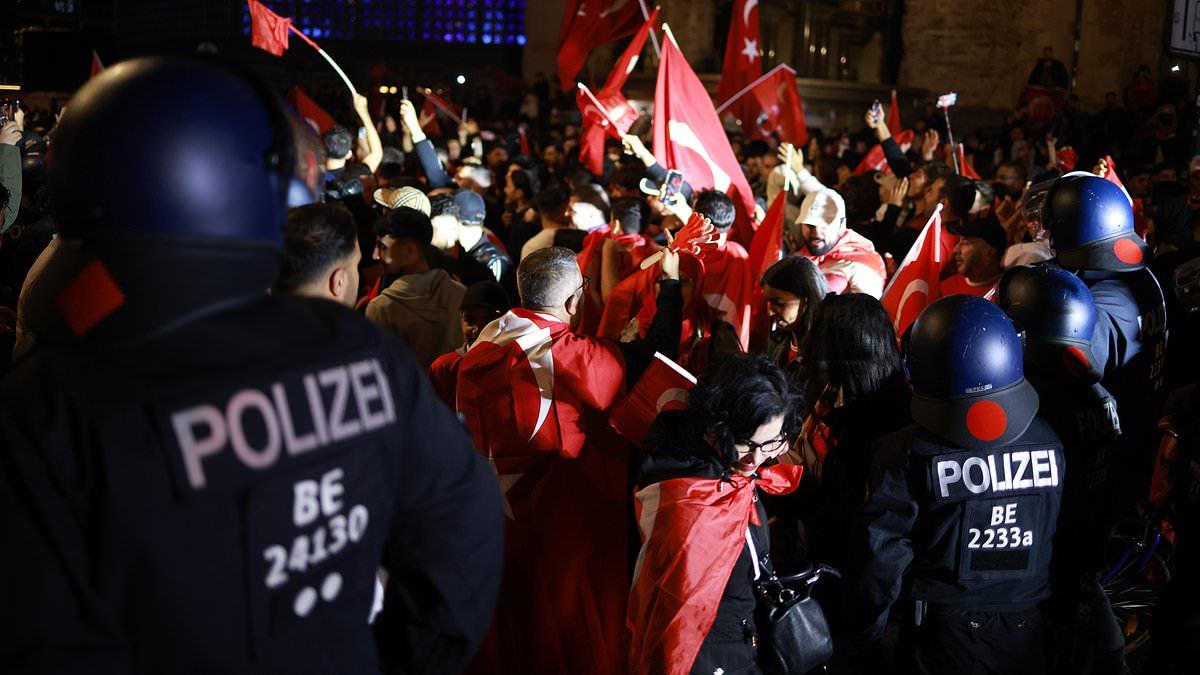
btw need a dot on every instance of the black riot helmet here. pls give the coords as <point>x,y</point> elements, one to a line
<point>170,179</point>
<point>1058,315</point>
<point>969,386</point>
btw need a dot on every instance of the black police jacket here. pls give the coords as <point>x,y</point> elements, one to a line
<point>1085,418</point>
<point>1130,344</point>
<point>970,529</point>
<point>219,500</point>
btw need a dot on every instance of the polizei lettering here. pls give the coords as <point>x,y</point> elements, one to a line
<point>292,416</point>
<point>997,472</point>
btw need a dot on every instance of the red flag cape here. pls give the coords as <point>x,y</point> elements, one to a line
<point>597,125</point>
<point>309,109</point>
<point>664,386</point>
<point>587,24</point>
<point>536,399</point>
<point>693,530</point>
<point>778,97</point>
<point>875,160</point>
<point>964,167</point>
<point>443,375</point>
<point>688,135</point>
<point>893,116</point>
<point>268,30</point>
<point>97,66</point>
<point>917,281</point>
<point>743,61</point>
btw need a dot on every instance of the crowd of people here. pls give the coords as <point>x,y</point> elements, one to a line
<point>945,489</point>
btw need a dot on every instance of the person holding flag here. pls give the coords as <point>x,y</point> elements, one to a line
<point>607,113</point>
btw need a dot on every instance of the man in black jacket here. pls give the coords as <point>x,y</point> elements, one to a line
<point>207,478</point>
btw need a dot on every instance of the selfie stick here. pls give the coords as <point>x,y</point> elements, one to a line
<point>950,135</point>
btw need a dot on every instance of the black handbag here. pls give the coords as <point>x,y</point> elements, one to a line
<point>793,635</point>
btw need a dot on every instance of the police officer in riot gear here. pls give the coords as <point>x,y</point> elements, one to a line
<point>964,502</point>
<point>1055,311</point>
<point>196,476</point>
<point>1090,221</point>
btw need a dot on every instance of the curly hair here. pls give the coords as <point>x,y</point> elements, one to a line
<point>739,393</point>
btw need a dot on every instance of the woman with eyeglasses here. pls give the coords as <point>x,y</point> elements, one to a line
<point>702,521</point>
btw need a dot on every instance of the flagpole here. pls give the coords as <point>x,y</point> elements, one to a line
<point>670,35</point>
<point>603,111</point>
<point>653,37</point>
<point>751,86</point>
<point>341,73</point>
<point>439,106</point>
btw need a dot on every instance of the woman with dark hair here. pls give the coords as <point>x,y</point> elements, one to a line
<point>857,393</point>
<point>702,521</point>
<point>792,289</point>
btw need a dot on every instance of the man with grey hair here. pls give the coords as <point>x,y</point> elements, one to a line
<point>537,398</point>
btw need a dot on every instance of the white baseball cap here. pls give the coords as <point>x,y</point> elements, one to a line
<point>822,208</point>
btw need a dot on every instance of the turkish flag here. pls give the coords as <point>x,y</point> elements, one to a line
<point>663,386</point>
<point>693,530</point>
<point>876,160</point>
<point>309,109</point>
<point>587,24</point>
<point>893,116</point>
<point>743,62</point>
<point>268,30</point>
<point>964,167</point>
<point>688,135</point>
<point>917,282</point>
<point>597,125</point>
<point>97,66</point>
<point>767,248</point>
<point>616,118</point>
<point>536,399</point>
<point>782,109</point>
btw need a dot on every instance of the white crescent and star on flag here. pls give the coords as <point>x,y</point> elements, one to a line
<point>749,47</point>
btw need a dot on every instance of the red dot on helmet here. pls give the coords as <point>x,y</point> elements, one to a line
<point>1127,251</point>
<point>1076,361</point>
<point>986,420</point>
